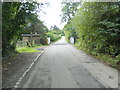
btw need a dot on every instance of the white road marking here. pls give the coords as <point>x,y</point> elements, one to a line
<point>23,75</point>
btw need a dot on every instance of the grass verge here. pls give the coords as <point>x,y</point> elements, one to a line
<point>28,49</point>
<point>114,62</point>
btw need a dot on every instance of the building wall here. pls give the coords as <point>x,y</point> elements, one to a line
<point>25,38</point>
<point>36,40</point>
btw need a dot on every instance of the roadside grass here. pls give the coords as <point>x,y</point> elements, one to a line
<point>28,49</point>
<point>32,49</point>
<point>12,54</point>
<point>114,62</point>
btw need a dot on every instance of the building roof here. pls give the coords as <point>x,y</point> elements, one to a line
<point>28,35</point>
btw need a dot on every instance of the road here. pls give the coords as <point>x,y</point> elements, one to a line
<point>63,66</point>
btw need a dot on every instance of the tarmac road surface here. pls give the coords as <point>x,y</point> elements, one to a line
<point>63,66</point>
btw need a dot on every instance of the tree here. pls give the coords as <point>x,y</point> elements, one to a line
<point>14,16</point>
<point>69,10</point>
<point>95,24</point>
<point>55,28</point>
<point>97,27</point>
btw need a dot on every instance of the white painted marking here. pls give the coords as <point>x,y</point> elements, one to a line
<point>23,75</point>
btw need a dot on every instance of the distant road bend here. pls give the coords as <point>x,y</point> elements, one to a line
<point>63,66</point>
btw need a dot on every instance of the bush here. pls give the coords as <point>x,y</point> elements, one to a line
<point>43,40</point>
<point>97,32</point>
<point>53,36</point>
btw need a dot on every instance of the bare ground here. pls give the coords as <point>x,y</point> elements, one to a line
<point>13,68</point>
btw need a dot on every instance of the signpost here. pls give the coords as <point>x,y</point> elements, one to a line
<point>72,40</point>
<point>48,40</point>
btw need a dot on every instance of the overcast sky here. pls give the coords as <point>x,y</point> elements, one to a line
<point>53,12</point>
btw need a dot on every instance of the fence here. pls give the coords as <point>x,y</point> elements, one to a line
<point>21,43</point>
